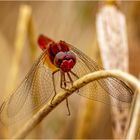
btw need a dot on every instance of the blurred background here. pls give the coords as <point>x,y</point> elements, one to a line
<point>74,22</point>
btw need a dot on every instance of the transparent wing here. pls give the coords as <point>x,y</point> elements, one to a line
<point>108,90</point>
<point>31,94</point>
<point>37,88</point>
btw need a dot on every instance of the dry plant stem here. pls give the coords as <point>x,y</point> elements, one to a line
<point>112,37</point>
<point>25,13</point>
<point>32,38</point>
<point>85,122</point>
<point>46,109</point>
<point>134,125</point>
<point>84,118</point>
<point>24,28</point>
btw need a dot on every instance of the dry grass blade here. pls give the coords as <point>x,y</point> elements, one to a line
<point>40,115</point>
<point>134,119</point>
<point>112,37</point>
<point>134,124</point>
<point>32,38</point>
<point>24,28</point>
<point>25,13</point>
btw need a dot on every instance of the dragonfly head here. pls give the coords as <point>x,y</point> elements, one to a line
<point>65,60</point>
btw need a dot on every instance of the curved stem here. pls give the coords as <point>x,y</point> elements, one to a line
<point>46,109</point>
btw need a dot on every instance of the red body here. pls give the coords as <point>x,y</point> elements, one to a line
<point>59,53</point>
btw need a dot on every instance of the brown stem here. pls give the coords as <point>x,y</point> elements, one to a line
<point>46,109</point>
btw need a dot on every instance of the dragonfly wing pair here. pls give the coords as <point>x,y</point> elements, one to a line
<point>31,94</point>
<point>108,90</point>
<point>37,88</point>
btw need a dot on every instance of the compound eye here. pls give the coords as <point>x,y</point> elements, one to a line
<point>71,55</point>
<point>59,58</point>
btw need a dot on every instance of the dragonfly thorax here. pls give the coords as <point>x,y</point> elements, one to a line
<point>65,60</point>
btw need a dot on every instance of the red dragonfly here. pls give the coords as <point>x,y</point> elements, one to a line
<point>58,66</point>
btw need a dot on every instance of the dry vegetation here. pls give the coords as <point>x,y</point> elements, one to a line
<point>74,22</point>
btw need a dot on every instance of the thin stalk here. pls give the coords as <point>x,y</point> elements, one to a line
<point>46,109</point>
<point>32,38</point>
<point>134,124</point>
<point>112,38</point>
<point>24,15</point>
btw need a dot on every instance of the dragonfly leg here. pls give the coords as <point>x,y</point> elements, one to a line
<point>71,81</point>
<point>53,80</point>
<point>63,81</point>
<point>74,74</point>
<point>67,103</point>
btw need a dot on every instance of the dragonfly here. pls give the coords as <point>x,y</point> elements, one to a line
<point>57,67</point>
